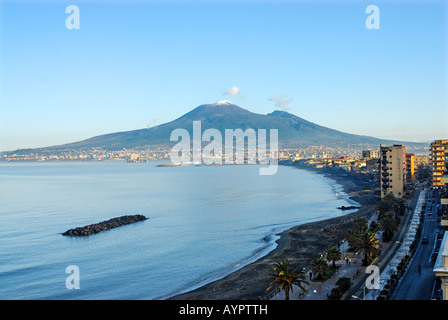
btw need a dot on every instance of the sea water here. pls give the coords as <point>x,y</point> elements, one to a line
<point>203,223</point>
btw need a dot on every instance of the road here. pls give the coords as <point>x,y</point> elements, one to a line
<point>415,285</point>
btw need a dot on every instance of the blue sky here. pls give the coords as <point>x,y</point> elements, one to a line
<point>138,63</point>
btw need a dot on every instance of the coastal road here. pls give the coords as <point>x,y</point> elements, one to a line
<point>415,285</point>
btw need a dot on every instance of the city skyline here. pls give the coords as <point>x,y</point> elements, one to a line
<point>139,64</point>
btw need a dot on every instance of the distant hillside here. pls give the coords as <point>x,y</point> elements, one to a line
<point>292,130</point>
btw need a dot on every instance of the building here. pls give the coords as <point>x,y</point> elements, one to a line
<point>441,266</point>
<point>420,160</point>
<point>444,201</point>
<point>410,167</point>
<point>438,157</point>
<point>392,169</point>
<point>370,154</point>
<point>372,166</point>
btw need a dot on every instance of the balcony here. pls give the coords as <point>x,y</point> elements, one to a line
<point>438,165</point>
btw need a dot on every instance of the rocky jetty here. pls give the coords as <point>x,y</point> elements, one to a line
<point>105,225</point>
<point>348,208</point>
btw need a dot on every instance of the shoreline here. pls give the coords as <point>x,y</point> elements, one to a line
<point>300,244</point>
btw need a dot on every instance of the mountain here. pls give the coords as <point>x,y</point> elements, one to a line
<point>292,130</point>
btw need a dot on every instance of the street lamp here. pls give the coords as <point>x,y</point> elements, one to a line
<point>364,294</point>
<point>355,297</point>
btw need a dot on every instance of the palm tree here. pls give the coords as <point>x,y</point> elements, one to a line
<point>285,277</point>
<point>368,243</point>
<point>360,226</point>
<point>319,267</point>
<point>385,204</point>
<point>333,255</point>
<point>388,224</point>
<point>382,207</point>
<point>399,207</point>
<point>389,199</point>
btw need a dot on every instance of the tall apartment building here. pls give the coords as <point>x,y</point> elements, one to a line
<point>392,167</point>
<point>410,167</point>
<point>438,157</point>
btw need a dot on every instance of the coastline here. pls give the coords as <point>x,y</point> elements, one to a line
<point>300,244</point>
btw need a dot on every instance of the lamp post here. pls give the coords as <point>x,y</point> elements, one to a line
<point>364,294</point>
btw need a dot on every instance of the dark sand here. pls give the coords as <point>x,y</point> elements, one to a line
<point>300,244</point>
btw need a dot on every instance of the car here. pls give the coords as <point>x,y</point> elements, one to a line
<point>425,240</point>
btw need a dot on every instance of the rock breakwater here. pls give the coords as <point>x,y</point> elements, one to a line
<point>105,225</point>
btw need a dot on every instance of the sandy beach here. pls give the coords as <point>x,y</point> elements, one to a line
<point>300,244</point>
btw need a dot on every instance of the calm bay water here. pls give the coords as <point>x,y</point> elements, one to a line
<point>204,222</point>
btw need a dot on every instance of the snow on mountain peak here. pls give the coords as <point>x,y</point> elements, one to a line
<point>223,102</point>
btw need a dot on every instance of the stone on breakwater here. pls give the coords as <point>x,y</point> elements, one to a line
<point>105,225</point>
<point>348,208</point>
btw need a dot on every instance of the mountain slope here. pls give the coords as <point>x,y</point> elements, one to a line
<point>292,130</point>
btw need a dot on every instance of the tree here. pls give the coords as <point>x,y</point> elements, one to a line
<point>389,199</point>
<point>399,207</point>
<point>367,243</point>
<point>423,172</point>
<point>373,227</point>
<point>285,277</point>
<point>319,267</point>
<point>388,224</point>
<point>385,204</point>
<point>382,207</point>
<point>333,255</point>
<point>360,226</point>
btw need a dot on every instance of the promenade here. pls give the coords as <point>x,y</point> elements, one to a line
<point>388,265</point>
<point>352,268</point>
